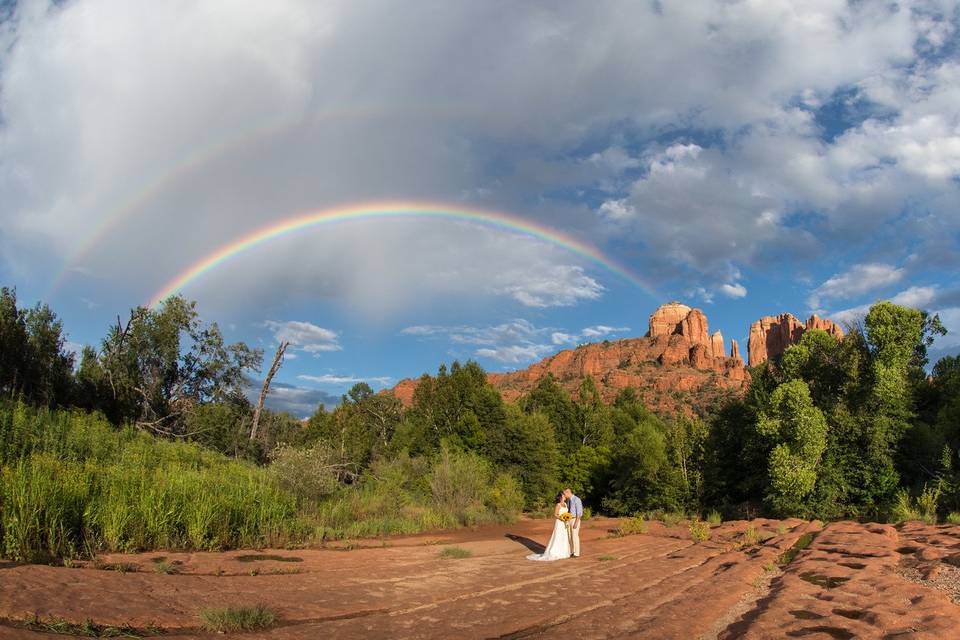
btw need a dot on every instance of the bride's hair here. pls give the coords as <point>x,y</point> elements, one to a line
<point>560,497</point>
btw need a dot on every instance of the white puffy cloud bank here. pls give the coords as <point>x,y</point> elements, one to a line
<point>697,141</point>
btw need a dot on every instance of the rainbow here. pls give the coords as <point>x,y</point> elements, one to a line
<point>385,211</point>
<point>205,155</point>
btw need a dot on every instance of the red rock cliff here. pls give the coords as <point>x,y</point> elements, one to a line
<point>771,335</point>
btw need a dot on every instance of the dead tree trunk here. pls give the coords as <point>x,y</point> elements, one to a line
<point>277,361</point>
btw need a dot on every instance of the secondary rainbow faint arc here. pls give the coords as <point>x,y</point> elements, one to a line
<point>402,210</point>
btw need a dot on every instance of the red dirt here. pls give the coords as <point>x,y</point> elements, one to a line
<point>654,585</point>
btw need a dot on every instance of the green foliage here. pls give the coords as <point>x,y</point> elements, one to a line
<point>455,553</point>
<point>72,483</point>
<point>903,509</point>
<point>237,618</point>
<point>635,524</point>
<point>310,473</point>
<point>714,517</point>
<point>953,517</point>
<point>699,530</point>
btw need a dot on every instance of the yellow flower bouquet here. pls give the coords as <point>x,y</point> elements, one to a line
<point>566,517</point>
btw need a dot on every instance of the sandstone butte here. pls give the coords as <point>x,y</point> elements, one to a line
<point>677,366</point>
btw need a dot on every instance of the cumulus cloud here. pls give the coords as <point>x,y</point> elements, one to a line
<point>919,297</point>
<point>856,281</point>
<point>190,124</point>
<point>515,342</point>
<point>586,335</point>
<point>305,336</point>
<point>735,290</point>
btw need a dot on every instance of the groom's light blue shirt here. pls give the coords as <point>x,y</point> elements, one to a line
<point>575,507</point>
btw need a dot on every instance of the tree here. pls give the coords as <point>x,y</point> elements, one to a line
<point>155,382</point>
<point>798,432</point>
<point>527,448</point>
<point>33,361</point>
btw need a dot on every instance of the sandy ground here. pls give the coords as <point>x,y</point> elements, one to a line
<point>854,581</point>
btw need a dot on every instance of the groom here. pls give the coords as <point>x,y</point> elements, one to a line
<point>575,507</point>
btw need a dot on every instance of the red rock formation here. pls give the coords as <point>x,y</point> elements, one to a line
<point>677,355</point>
<point>771,335</point>
<point>735,350</point>
<point>666,319</point>
<point>824,324</point>
<point>694,328</point>
<point>716,345</point>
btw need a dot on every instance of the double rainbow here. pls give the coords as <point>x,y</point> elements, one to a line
<point>390,210</point>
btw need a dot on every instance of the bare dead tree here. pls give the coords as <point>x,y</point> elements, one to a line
<point>277,361</point>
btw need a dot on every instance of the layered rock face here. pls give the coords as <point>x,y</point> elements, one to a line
<point>677,366</point>
<point>771,335</point>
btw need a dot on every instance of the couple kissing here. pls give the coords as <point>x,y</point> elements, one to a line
<point>565,541</point>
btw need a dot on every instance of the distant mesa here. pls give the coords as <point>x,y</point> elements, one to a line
<point>771,335</point>
<point>677,366</point>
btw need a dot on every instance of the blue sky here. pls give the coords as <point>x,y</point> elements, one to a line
<point>748,158</point>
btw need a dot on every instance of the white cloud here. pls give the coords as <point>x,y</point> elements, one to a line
<point>340,380</point>
<point>735,290</point>
<point>587,334</point>
<point>728,167</point>
<point>560,286</point>
<point>305,336</point>
<point>514,342</point>
<point>514,354</point>
<point>916,297</point>
<point>858,280</point>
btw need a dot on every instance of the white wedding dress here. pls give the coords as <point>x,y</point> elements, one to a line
<point>559,546</point>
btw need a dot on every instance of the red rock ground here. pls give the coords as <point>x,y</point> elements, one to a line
<point>863,581</point>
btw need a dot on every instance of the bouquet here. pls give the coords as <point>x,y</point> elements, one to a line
<point>566,517</point>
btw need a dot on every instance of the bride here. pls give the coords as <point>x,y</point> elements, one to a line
<point>559,546</point>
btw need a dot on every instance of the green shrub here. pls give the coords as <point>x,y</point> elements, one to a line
<point>634,525</point>
<point>587,513</point>
<point>233,619</point>
<point>505,497</point>
<point>459,484</point>
<point>699,531</point>
<point>927,503</point>
<point>309,473</point>
<point>953,517</point>
<point>455,552</point>
<point>903,509</point>
<point>714,517</point>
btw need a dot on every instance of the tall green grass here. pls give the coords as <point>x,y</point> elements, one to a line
<point>72,484</point>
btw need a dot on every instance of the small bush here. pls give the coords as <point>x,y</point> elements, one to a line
<point>587,513</point>
<point>310,473</point>
<point>953,517</point>
<point>233,619</point>
<point>714,517</point>
<point>903,508</point>
<point>927,504</point>
<point>455,552</point>
<point>699,531</point>
<point>635,525</point>
<point>459,484</point>
<point>750,536</point>
<point>671,518</point>
<point>505,498</point>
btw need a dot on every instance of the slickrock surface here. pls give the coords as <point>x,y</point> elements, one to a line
<point>853,581</point>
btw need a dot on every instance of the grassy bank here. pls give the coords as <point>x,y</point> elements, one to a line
<point>73,485</point>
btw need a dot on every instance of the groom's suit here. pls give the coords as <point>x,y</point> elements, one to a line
<point>576,510</point>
